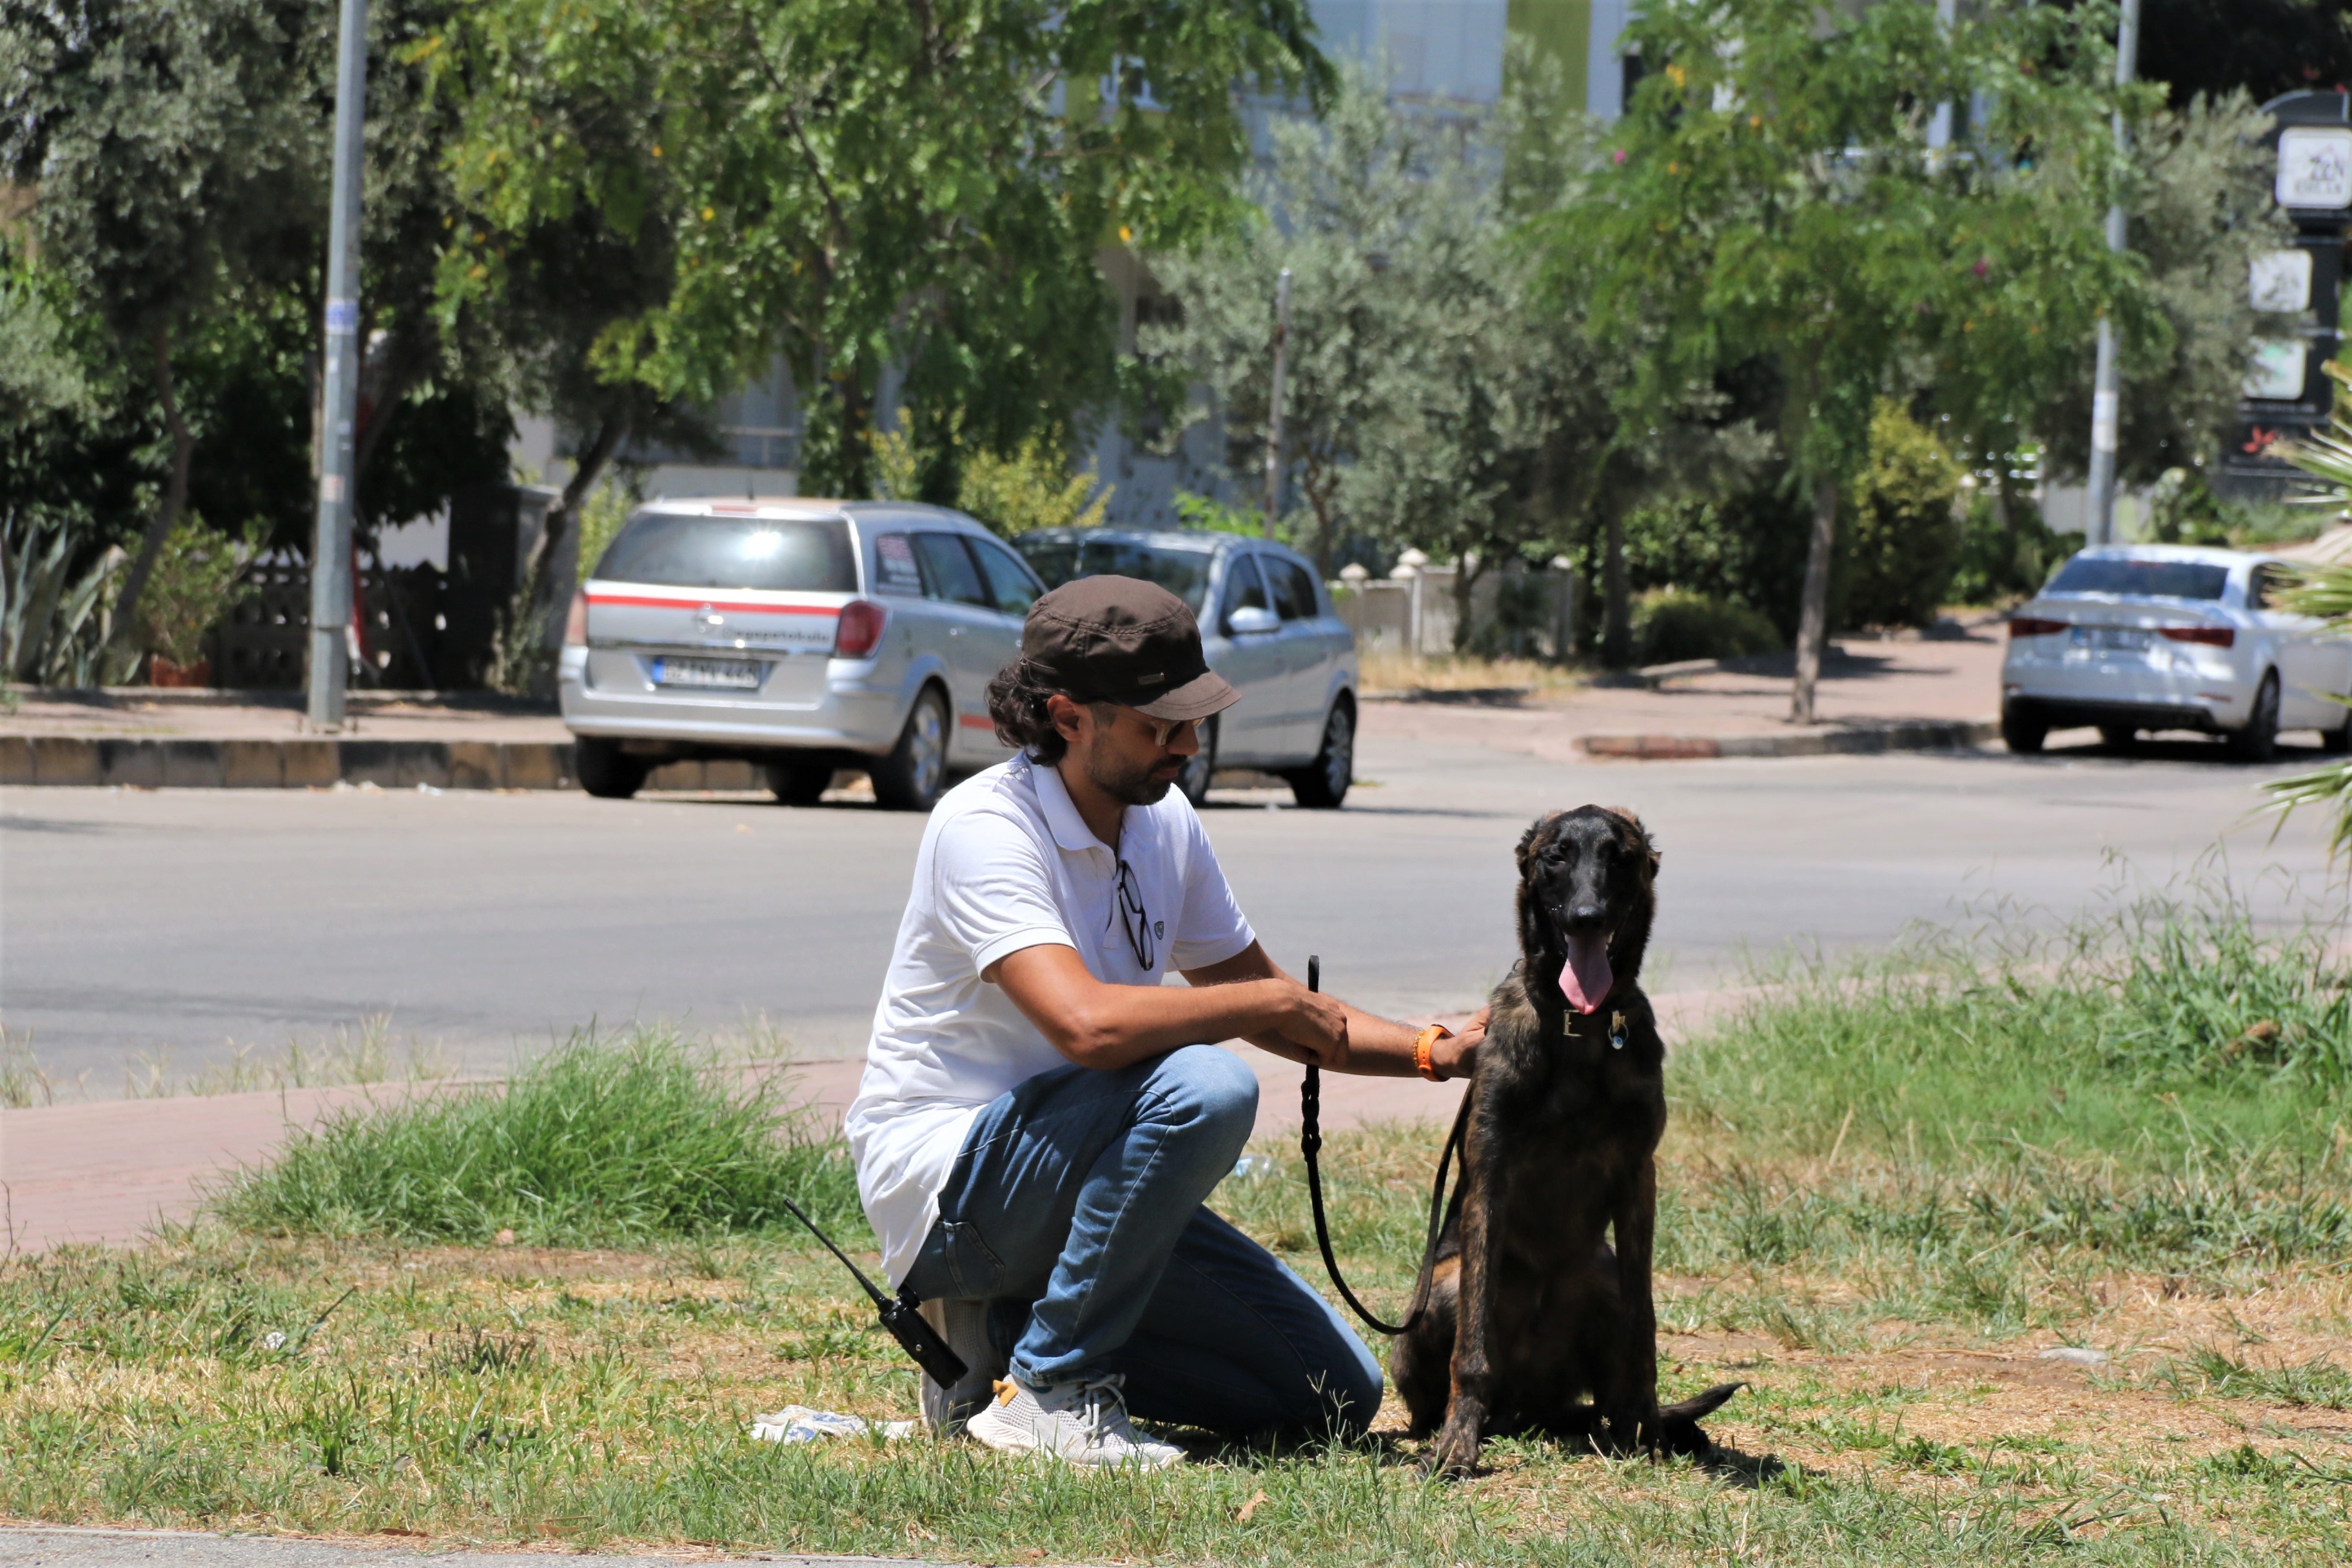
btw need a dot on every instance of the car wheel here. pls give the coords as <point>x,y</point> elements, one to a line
<point>2338,741</point>
<point>912,777</point>
<point>2258,741</point>
<point>2021,733</point>
<point>1195,780</point>
<point>1323,783</point>
<point>605,770</point>
<point>797,782</point>
<point>2117,737</point>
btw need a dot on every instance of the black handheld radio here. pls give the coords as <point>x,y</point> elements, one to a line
<point>900,1315</point>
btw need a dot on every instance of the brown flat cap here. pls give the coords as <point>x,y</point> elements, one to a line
<point>1120,639</point>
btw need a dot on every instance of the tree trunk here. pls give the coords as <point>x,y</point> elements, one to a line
<point>1813,614</point>
<point>1466,584</point>
<point>175,499</point>
<point>1617,595</point>
<point>2004,513</point>
<point>585,470</point>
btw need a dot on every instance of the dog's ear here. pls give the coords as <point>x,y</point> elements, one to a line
<point>1636,834</point>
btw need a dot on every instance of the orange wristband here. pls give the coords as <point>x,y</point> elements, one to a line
<point>1420,1044</point>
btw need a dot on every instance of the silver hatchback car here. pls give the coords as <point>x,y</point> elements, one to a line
<point>806,635</point>
<point>1267,625</point>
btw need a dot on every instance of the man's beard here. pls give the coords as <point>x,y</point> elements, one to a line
<point>1129,786</point>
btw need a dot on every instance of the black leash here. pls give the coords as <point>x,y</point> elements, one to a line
<point>1310,1143</point>
<point>901,1314</point>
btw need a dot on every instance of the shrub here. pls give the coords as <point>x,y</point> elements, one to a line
<point>1898,539</point>
<point>591,1144</point>
<point>195,583</point>
<point>1669,625</point>
<point>1748,549</point>
<point>1031,488</point>
<point>2002,560</point>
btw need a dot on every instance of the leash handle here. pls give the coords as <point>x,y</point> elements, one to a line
<point>1310,1144</point>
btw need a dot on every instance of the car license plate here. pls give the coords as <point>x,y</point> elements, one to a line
<point>722,673</point>
<point>2112,639</point>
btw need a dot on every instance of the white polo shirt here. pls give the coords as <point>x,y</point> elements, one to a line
<point>1008,863</point>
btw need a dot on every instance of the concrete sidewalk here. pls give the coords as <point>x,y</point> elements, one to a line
<point>1928,693</point>
<point>1914,693</point>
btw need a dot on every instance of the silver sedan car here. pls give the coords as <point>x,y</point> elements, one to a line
<point>1267,625</point>
<point>2150,636</point>
<point>807,636</point>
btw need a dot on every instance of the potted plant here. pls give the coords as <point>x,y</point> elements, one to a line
<point>198,580</point>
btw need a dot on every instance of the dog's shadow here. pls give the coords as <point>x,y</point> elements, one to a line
<point>1732,1467</point>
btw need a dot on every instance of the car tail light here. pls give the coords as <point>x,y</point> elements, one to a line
<point>575,623</point>
<point>2026,626</point>
<point>2211,637</point>
<point>860,630</point>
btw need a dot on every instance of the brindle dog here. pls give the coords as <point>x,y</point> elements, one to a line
<point>1528,1310</point>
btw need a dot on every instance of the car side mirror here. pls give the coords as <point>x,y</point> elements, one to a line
<point>1250,619</point>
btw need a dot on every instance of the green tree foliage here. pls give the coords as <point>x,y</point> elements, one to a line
<point>2201,211</point>
<point>1343,198</point>
<point>860,186</point>
<point>1435,394</point>
<point>164,136</point>
<point>1771,194</point>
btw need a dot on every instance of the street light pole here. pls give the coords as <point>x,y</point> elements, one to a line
<point>2099,502</point>
<point>1274,400</point>
<point>331,555</point>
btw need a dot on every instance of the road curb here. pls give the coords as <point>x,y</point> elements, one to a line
<point>1924,735</point>
<point>141,762</point>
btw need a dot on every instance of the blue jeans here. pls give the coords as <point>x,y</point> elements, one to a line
<point>1074,1209</point>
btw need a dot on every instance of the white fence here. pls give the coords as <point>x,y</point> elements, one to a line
<point>1530,614</point>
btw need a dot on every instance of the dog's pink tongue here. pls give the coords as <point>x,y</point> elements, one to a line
<point>1585,978</point>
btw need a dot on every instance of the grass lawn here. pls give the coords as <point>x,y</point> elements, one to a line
<point>1889,1192</point>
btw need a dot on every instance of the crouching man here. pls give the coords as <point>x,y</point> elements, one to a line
<point>1041,1120</point>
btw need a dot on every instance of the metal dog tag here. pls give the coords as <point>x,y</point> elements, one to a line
<point>1616,1031</point>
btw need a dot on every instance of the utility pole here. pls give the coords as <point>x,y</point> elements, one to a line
<point>1274,400</point>
<point>2099,502</point>
<point>331,553</point>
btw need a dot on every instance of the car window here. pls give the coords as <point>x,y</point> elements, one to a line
<point>1183,571</point>
<point>2268,582</point>
<point>1243,591</point>
<point>1010,583</point>
<point>2140,578</point>
<point>674,552</point>
<point>895,571</point>
<point>948,572</point>
<point>1293,590</point>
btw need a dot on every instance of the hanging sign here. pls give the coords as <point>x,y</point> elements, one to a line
<point>2314,167</point>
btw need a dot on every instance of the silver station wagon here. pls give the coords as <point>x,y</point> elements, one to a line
<point>1267,625</point>
<point>813,635</point>
<point>806,636</point>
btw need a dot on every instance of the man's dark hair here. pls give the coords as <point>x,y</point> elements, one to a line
<point>1016,704</point>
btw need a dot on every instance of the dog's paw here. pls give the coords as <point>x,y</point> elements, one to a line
<point>1453,1457</point>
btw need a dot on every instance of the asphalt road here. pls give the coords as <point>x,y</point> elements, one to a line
<point>182,924</point>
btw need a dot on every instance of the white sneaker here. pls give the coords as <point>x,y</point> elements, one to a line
<point>1084,1423</point>
<point>965,1325</point>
